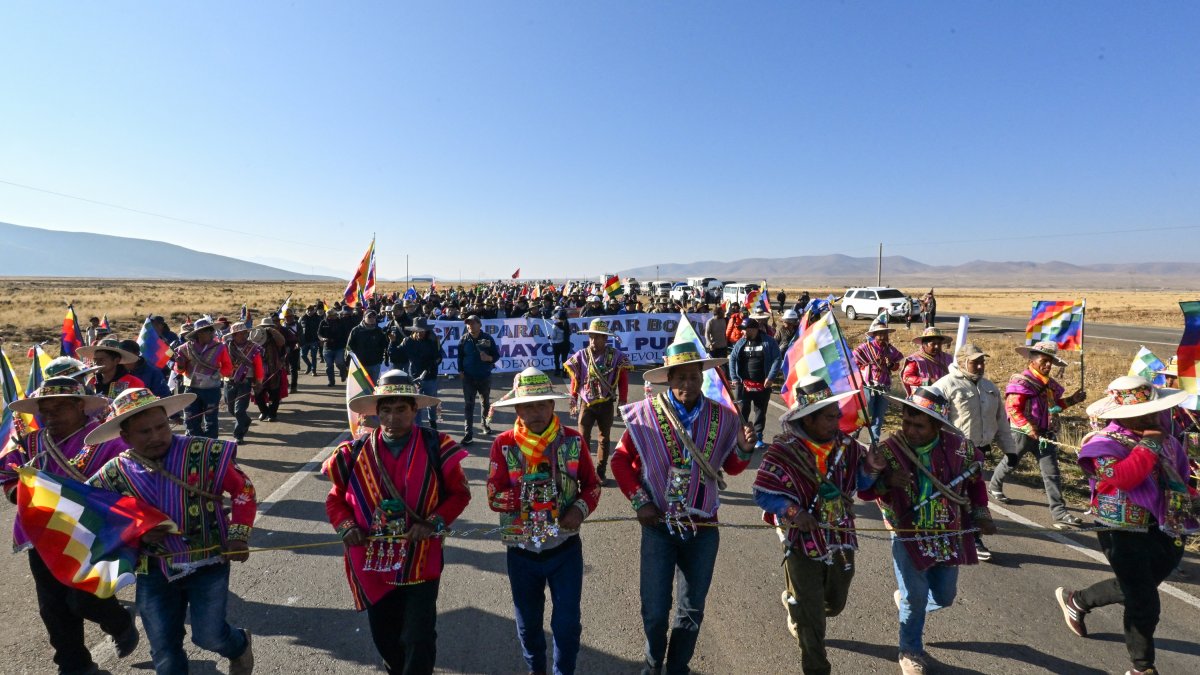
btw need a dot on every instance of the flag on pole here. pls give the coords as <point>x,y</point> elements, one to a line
<point>154,349</point>
<point>410,294</point>
<point>1145,363</point>
<point>88,537</point>
<point>822,351</point>
<point>358,383</point>
<point>612,286</point>
<point>517,274</point>
<point>37,369</point>
<point>355,289</point>
<point>751,299</point>
<point>104,323</point>
<point>369,284</point>
<point>244,317</point>
<point>1189,347</point>
<point>714,386</point>
<point>1059,321</point>
<point>284,307</point>
<point>10,391</point>
<point>72,338</point>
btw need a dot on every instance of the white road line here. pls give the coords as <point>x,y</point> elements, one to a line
<point>1094,555</point>
<point>104,650</point>
<point>1093,336</point>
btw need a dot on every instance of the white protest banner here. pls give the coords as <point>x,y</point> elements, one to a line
<point>525,342</point>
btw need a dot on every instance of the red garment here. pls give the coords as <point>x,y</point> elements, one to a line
<point>503,497</point>
<point>1124,474</point>
<point>733,329</point>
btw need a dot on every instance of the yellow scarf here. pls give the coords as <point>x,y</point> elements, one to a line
<point>532,445</point>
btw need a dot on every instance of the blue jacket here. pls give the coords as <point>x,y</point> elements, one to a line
<point>772,357</point>
<point>469,348</point>
<point>153,379</point>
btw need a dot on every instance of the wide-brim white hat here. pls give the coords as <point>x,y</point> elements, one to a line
<point>109,344</point>
<point>529,386</point>
<point>1046,348</point>
<point>597,327</point>
<point>680,354</point>
<point>1133,396</point>
<point>391,384</point>
<point>133,402</point>
<point>62,387</point>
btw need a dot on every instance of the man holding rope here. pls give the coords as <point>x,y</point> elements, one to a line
<point>931,497</point>
<point>246,379</point>
<point>806,485</point>
<point>876,358</point>
<point>202,361</point>
<point>187,561</point>
<point>669,464</point>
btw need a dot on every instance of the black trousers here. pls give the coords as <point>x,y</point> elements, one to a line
<point>1141,561</point>
<point>404,628</point>
<point>237,402</point>
<point>472,388</point>
<point>562,350</point>
<point>759,400</point>
<point>63,610</point>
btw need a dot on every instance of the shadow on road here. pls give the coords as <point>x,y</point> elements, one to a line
<point>1013,560</point>
<point>1018,652</point>
<point>1160,644</point>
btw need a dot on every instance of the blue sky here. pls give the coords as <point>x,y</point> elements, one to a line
<point>575,138</point>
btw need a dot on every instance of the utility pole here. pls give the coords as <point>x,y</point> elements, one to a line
<point>656,272</point>
<point>407,278</point>
<point>879,267</point>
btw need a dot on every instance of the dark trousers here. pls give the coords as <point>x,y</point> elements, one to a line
<point>689,563</point>
<point>562,350</point>
<point>201,415</point>
<point>237,402</point>
<point>1047,458</point>
<point>529,574</point>
<point>472,388</point>
<point>1141,561</point>
<point>721,353</point>
<point>268,399</point>
<point>599,415</point>
<point>63,610</point>
<point>293,361</point>
<point>404,628</point>
<point>816,591</point>
<point>760,400</point>
<point>309,351</point>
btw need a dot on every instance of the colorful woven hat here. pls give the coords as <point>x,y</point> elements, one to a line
<point>65,366</point>
<point>1046,347</point>
<point>812,394</point>
<point>932,402</point>
<point>1133,396</point>
<point>59,388</point>
<point>132,402</point>
<point>598,327</point>
<point>109,344</point>
<point>529,385</point>
<point>932,333</point>
<point>391,384</point>
<point>678,354</point>
<point>880,325</point>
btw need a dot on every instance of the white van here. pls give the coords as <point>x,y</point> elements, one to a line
<point>735,294</point>
<point>659,289</point>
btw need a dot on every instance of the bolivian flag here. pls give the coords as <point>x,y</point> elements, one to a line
<point>612,286</point>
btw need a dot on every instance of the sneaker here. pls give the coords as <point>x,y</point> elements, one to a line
<point>999,496</point>
<point>244,664</point>
<point>467,440</point>
<point>981,551</point>
<point>126,642</point>
<point>897,598</point>
<point>787,604</point>
<point>487,429</point>
<point>1072,614</point>
<point>1068,522</point>
<point>912,664</point>
<point>1149,671</point>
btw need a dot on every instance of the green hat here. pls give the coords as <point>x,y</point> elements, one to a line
<point>529,385</point>
<point>678,354</point>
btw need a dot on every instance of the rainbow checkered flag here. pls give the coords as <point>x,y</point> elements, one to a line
<point>821,350</point>
<point>1189,347</point>
<point>1059,321</point>
<point>1146,364</point>
<point>88,537</point>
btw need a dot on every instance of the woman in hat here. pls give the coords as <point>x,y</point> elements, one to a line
<point>112,361</point>
<point>543,484</point>
<point>807,481</point>
<point>1137,476</point>
<point>877,358</point>
<point>929,363</point>
<point>932,492</point>
<point>599,378</point>
<point>391,492</point>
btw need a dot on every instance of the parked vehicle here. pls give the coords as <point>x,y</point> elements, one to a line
<point>632,287</point>
<point>659,289</point>
<point>870,301</point>
<point>707,289</point>
<point>735,294</point>
<point>681,292</point>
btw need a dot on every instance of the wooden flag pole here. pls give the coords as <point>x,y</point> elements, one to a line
<point>1082,334</point>
<point>850,369</point>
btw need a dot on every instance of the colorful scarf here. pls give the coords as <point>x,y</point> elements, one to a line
<point>532,445</point>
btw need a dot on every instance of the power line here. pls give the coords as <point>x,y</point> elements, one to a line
<point>166,217</point>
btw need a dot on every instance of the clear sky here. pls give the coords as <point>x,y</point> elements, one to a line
<point>572,138</point>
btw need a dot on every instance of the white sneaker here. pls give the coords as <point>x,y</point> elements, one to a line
<point>912,664</point>
<point>787,603</point>
<point>897,598</point>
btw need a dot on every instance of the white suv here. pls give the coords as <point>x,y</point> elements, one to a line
<point>871,301</point>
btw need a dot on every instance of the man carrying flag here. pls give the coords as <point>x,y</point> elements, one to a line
<point>72,338</point>
<point>58,449</point>
<point>186,573</point>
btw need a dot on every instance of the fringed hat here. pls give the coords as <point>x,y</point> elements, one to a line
<point>812,394</point>
<point>132,402</point>
<point>932,333</point>
<point>529,385</point>
<point>59,388</point>
<point>932,402</point>
<point>1133,396</point>
<point>598,327</point>
<point>391,384</point>
<point>679,354</point>
<point>109,344</point>
<point>1045,347</point>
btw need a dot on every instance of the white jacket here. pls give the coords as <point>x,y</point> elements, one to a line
<point>977,409</point>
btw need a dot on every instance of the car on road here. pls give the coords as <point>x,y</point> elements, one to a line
<point>659,289</point>
<point>735,294</point>
<point>870,301</point>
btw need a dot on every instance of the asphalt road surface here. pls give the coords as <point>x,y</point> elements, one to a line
<point>298,606</point>
<point>1112,334</point>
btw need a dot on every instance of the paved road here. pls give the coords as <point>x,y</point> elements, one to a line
<point>1157,339</point>
<point>298,606</point>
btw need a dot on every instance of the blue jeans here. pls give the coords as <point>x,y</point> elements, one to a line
<point>162,605</point>
<point>528,575</point>
<point>920,592</point>
<point>689,562</point>
<point>877,407</point>
<point>201,415</point>
<point>308,352</point>
<point>427,417</point>
<point>333,363</point>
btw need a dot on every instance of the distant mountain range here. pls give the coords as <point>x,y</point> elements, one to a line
<point>845,270</point>
<point>35,252</point>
